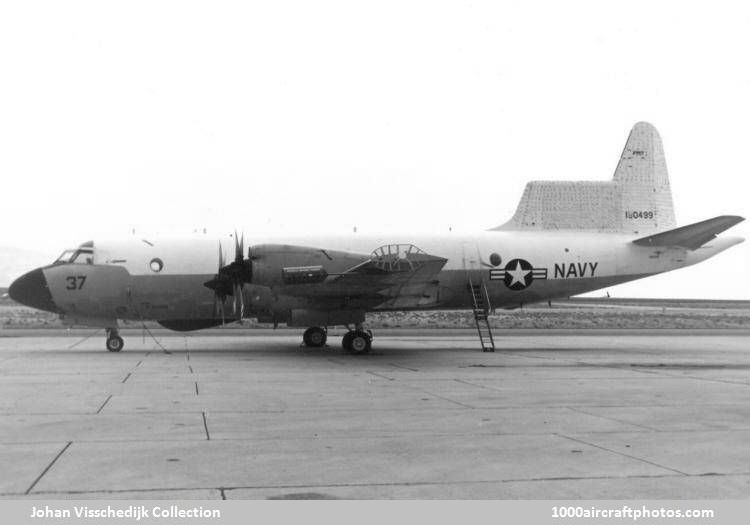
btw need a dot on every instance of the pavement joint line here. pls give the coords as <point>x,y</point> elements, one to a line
<point>708,379</point>
<point>103,404</point>
<point>621,453</point>
<point>404,367</point>
<point>126,377</point>
<point>374,484</point>
<point>614,419</point>
<point>476,385</point>
<point>28,490</point>
<point>205,427</point>
<point>446,399</point>
<point>380,375</point>
<point>341,409</point>
<point>381,436</point>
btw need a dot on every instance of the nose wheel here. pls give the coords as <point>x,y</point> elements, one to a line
<point>357,341</point>
<point>114,341</point>
<point>315,337</point>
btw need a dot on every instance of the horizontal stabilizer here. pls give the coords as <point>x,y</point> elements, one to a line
<point>692,236</point>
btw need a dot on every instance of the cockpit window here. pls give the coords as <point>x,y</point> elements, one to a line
<point>65,257</point>
<point>79,256</point>
<point>83,257</point>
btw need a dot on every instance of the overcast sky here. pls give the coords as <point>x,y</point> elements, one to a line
<point>319,116</point>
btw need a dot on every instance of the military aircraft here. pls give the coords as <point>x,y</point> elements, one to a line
<point>565,238</point>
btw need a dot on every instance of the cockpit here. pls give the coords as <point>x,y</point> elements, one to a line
<point>84,254</point>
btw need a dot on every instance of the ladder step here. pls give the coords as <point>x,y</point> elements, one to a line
<point>481,316</point>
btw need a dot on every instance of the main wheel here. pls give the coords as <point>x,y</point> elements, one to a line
<point>360,342</point>
<point>115,343</point>
<point>346,341</point>
<point>315,336</point>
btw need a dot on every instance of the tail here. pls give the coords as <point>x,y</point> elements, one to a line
<point>637,200</point>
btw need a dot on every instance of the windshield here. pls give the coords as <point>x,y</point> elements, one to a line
<point>78,256</point>
<point>83,257</point>
<point>65,257</point>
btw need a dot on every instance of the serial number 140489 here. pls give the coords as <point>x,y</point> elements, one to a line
<point>639,214</point>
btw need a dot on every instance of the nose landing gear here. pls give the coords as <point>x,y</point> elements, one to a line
<point>114,341</point>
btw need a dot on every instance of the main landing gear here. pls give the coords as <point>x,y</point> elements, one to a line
<point>315,337</point>
<point>114,341</point>
<point>357,341</point>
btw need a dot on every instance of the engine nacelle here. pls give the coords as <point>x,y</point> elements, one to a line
<point>283,265</point>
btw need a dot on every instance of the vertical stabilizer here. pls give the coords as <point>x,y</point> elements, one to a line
<point>642,183</point>
<point>637,200</point>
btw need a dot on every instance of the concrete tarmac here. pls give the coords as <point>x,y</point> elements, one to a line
<point>252,415</point>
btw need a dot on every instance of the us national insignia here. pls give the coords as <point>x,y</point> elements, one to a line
<point>518,274</point>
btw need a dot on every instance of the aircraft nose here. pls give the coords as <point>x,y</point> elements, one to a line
<point>31,290</point>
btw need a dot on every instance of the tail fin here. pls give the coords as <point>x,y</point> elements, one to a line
<point>643,183</point>
<point>637,200</point>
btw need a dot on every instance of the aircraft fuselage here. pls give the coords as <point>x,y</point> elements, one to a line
<point>164,280</point>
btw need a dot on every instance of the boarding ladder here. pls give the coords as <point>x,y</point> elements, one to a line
<point>480,301</point>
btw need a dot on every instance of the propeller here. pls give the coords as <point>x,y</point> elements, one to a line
<point>230,279</point>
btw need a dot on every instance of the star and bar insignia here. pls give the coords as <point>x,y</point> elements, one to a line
<point>518,274</point>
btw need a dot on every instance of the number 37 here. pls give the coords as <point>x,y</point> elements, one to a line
<point>75,282</point>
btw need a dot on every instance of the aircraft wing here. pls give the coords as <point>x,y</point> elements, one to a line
<point>394,276</point>
<point>692,236</point>
<point>401,280</point>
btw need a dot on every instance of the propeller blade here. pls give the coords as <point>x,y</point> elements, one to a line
<point>239,299</point>
<point>242,304</point>
<point>237,249</point>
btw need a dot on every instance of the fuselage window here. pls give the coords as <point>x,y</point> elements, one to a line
<point>156,265</point>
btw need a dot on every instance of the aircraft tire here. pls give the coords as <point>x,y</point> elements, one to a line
<point>346,341</point>
<point>360,342</point>
<point>115,343</point>
<point>315,337</point>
